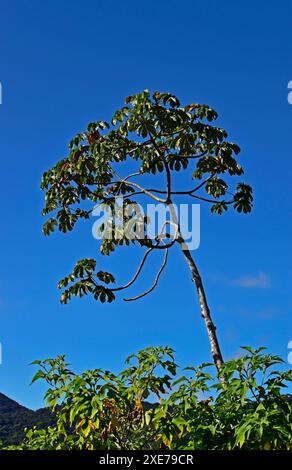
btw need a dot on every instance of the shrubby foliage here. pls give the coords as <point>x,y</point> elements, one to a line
<point>101,410</point>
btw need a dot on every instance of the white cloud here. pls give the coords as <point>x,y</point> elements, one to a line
<point>259,280</point>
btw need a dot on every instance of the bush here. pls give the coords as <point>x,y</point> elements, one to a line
<point>148,406</point>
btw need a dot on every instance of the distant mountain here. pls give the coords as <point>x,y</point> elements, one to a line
<point>14,418</point>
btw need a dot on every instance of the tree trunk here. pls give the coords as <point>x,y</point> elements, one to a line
<point>205,311</point>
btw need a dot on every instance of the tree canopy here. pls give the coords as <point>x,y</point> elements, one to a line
<point>161,137</point>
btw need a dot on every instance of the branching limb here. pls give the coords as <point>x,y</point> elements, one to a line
<point>144,191</point>
<point>165,246</point>
<point>189,157</point>
<point>213,201</point>
<point>137,272</point>
<point>178,193</point>
<point>155,281</point>
<point>202,184</point>
<point>131,175</point>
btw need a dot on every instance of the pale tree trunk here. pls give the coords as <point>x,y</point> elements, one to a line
<point>197,280</point>
<point>205,310</point>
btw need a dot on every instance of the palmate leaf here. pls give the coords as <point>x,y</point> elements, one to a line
<point>83,281</point>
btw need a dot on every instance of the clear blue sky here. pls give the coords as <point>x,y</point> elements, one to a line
<point>66,63</point>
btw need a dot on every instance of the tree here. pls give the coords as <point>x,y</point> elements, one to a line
<point>161,138</point>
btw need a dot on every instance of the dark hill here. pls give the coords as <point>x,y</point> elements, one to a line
<point>14,418</point>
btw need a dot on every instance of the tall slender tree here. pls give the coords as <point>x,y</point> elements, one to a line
<point>160,137</point>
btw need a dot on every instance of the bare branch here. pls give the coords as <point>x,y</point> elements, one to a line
<point>155,281</point>
<point>213,201</point>
<point>125,179</point>
<point>132,175</point>
<point>165,246</point>
<point>144,191</point>
<point>179,193</point>
<point>190,157</point>
<point>202,184</point>
<point>137,272</point>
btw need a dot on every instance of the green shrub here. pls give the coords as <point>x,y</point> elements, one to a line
<point>149,406</point>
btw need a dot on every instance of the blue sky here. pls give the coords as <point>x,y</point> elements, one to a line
<point>66,63</point>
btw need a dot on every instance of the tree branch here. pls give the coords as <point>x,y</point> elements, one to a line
<point>179,193</point>
<point>137,272</point>
<point>144,191</point>
<point>213,201</point>
<point>155,281</point>
<point>191,157</point>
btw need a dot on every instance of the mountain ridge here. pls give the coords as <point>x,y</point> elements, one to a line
<point>15,417</point>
